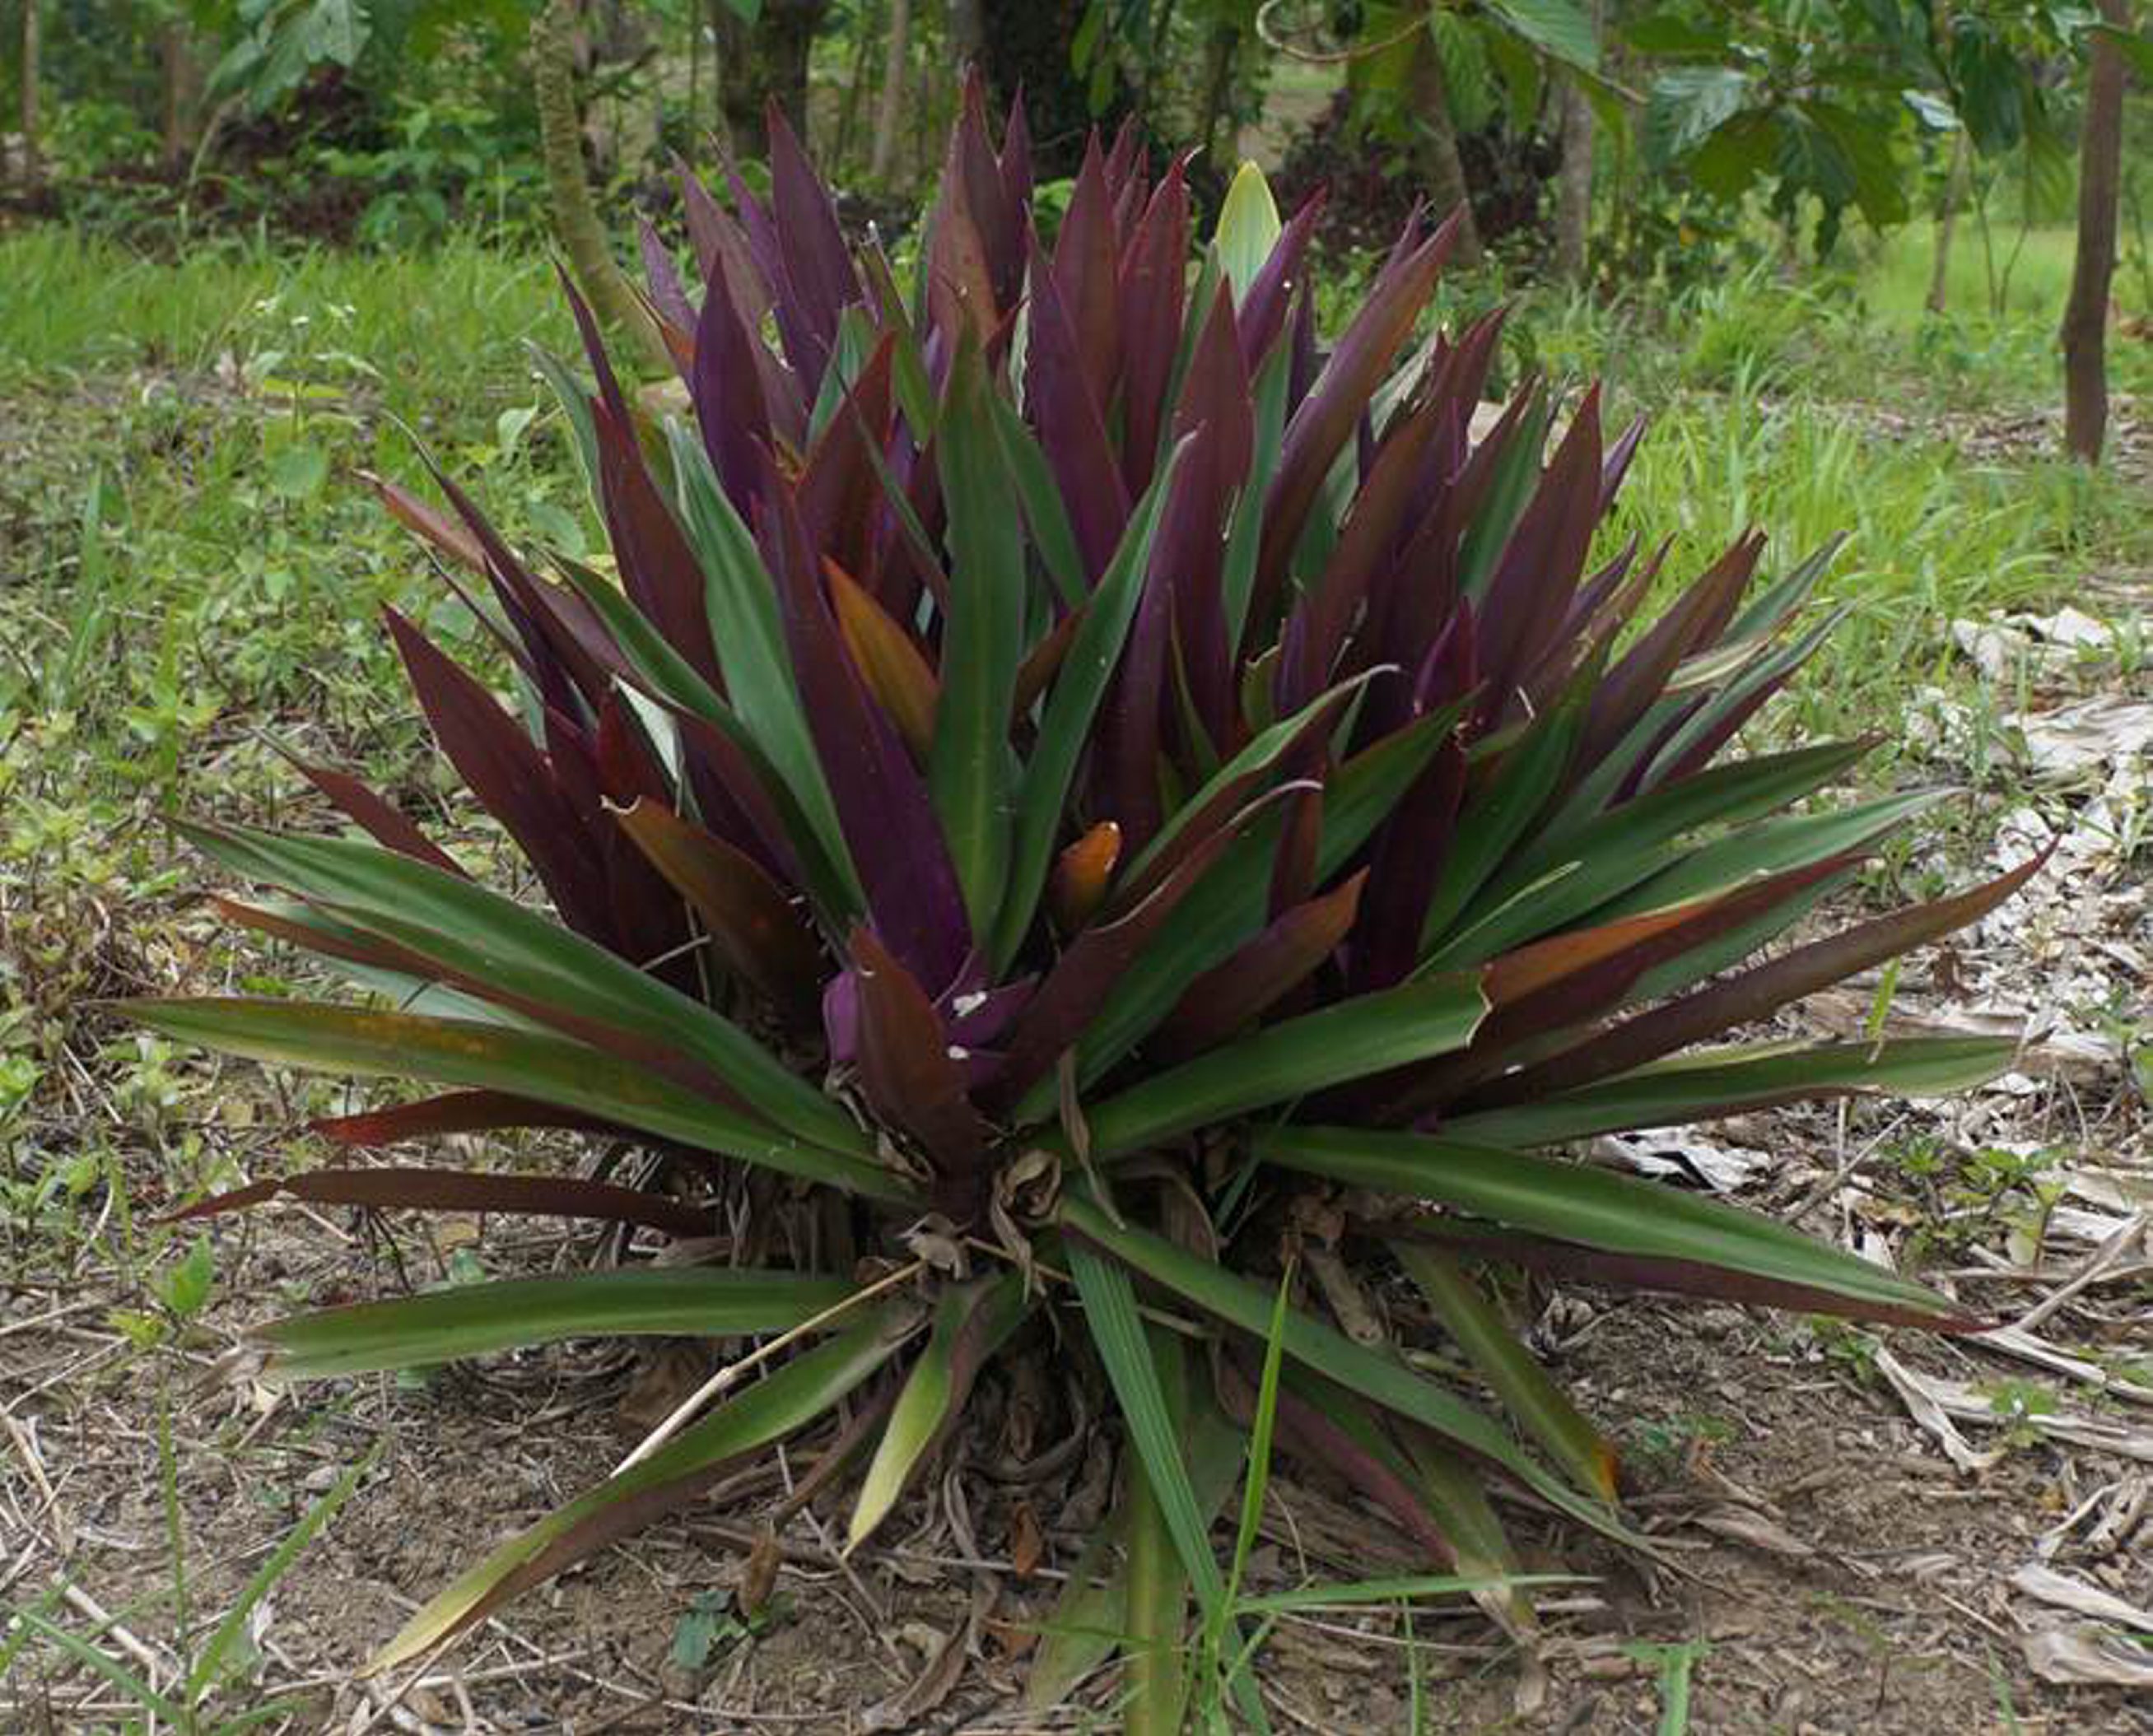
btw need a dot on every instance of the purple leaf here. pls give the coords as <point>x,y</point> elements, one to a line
<point>881,801</point>
<point>906,1065</point>
<point>1335,403</point>
<point>1071,424</point>
<point>1752,995</point>
<point>1152,291</point>
<point>1259,973</point>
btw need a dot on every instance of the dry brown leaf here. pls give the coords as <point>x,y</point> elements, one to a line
<point>2086,1654</point>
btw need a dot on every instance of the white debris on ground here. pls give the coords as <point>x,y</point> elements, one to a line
<point>2070,959</point>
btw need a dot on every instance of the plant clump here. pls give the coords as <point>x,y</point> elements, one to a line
<point>1087,826</point>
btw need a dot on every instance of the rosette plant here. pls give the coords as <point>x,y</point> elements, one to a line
<point>1084,825</point>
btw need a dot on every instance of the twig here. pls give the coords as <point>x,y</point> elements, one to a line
<point>686,1409</point>
<point>124,1637</point>
<point>2102,1257</point>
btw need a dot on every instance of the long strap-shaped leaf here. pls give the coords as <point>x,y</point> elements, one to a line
<point>1228,907</point>
<point>1389,1383</point>
<point>1614,853</point>
<point>1110,1310</point>
<point>1577,1203</point>
<point>494,941</point>
<point>1727,1082</point>
<point>1540,1407</point>
<point>970,767</point>
<point>465,1191</point>
<point>462,1051</point>
<point>440,1326</point>
<point>1064,726</point>
<point>800,1391</point>
<point>1371,1033</point>
<point>1757,992</point>
<point>971,1323</point>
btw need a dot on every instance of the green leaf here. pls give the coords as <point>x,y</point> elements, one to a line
<point>111,1669</point>
<point>1492,823</point>
<point>443,1326</point>
<point>1375,1375</point>
<point>1262,755</point>
<point>462,1051</point>
<point>971,769</point>
<point>492,944</point>
<point>1044,508</point>
<point>773,1408</point>
<point>1140,1367</point>
<point>297,472</point>
<point>1560,29</point>
<point>1570,873</point>
<point>1064,727</point>
<point>753,656</point>
<point>1373,1593</point>
<point>1578,1203</point>
<point>1540,1407</point>
<point>1248,228</point>
<point>1370,1034</point>
<point>669,678</point>
<point>1110,1310</point>
<point>1725,1082</point>
<point>185,1288</point>
<point>1245,534</point>
<point>1264,1427</point>
<point>1091,1616</point>
<point>233,1627</point>
<point>1687,104</point>
<point>971,1323</point>
<point>1228,905</point>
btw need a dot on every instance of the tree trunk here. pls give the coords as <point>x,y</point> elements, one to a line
<point>1219,49</point>
<point>1955,188</point>
<point>761,63</point>
<point>182,79</point>
<point>2085,314</point>
<point>1573,186</point>
<point>889,106</point>
<point>1024,45</point>
<point>31,175</point>
<point>967,25</point>
<point>569,189</point>
<point>1441,168</point>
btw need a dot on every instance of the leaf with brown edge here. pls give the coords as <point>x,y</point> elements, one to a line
<point>1473,1239</point>
<point>427,1190</point>
<point>1043,662</point>
<point>889,661</point>
<point>1534,1401</point>
<point>913,1080</point>
<point>1739,1000</point>
<point>755,929</point>
<point>315,934</point>
<point>452,1111</point>
<point>1618,1214</point>
<point>1566,980</point>
<point>492,1057</point>
<point>1056,1016</point>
